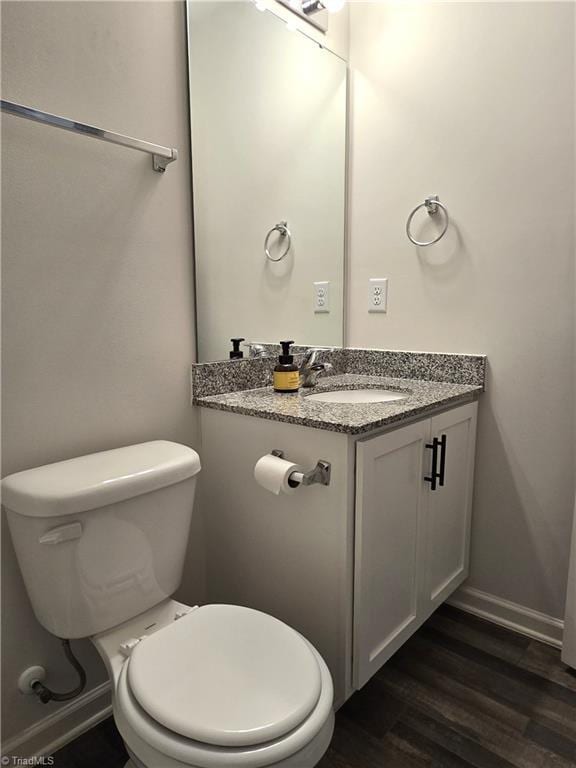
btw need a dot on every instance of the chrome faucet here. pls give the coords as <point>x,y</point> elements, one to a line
<point>310,370</point>
<point>255,350</point>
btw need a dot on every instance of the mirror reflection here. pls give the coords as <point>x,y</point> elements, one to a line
<point>268,124</point>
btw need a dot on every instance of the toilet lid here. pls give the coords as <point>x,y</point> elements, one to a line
<point>226,675</point>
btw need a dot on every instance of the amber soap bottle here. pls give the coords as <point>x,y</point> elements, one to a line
<point>286,377</point>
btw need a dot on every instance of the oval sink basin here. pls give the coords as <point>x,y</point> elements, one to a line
<point>356,396</point>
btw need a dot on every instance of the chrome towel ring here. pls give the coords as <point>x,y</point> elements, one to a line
<point>284,232</point>
<point>431,204</point>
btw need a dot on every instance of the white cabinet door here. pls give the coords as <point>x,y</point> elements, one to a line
<point>449,506</point>
<point>389,545</point>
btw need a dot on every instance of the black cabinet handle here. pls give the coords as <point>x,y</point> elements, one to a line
<point>442,475</point>
<point>433,473</point>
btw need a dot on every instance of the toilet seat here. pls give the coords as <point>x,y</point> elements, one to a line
<point>226,675</point>
<point>206,755</point>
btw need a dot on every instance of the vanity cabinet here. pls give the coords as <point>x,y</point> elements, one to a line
<point>412,530</point>
<point>355,566</point>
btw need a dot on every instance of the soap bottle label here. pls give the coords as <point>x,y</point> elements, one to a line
<point>287,380</point>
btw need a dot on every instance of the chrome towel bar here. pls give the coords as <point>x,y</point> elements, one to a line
<point>161,156</point>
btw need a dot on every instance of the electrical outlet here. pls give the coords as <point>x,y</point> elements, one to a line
<point>322,297</point>
<point>378,294</point>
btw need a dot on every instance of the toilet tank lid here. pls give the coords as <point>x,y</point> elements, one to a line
<point>99,479</point>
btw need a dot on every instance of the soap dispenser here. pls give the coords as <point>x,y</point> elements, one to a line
<point>286,376</point>
<point>236,353</point>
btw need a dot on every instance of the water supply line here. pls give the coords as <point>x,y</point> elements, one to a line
<point>46,694</point>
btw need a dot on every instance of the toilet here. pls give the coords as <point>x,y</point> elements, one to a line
<point>101,542</point>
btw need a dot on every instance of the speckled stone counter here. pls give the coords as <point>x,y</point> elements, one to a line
<point>235,375</point>
<point>423,397</point>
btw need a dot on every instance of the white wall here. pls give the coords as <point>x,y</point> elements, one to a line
<point>97,265</point>
<point>474,102</point>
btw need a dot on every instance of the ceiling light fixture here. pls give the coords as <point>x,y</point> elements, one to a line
<point>309,7</point>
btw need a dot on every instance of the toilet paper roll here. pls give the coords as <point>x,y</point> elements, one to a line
<point>272,473</point>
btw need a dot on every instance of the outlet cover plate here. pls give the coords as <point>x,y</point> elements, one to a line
<point>378,294</point>
<point>322,297</point>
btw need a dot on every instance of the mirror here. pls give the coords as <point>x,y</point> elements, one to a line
<point>268,132</point>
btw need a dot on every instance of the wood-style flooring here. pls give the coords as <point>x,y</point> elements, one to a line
<point>461,692</point>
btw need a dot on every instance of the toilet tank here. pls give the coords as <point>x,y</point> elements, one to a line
<point>102,538</point>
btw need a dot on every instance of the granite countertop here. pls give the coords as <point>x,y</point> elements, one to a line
<point>424,397</point>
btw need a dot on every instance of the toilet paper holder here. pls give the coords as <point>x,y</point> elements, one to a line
<point>320,474</point>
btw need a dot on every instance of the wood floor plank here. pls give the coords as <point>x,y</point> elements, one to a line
<point>527,692</point>
<point>545,661</point>
<point>376,713</point>
<point>527,678</point>
<point>461,693</point>
<point>374,710</point>
<point>464,722</point>
<point>98,747</point>
<point>456,742</point>
<point>477,637</point>
<point>483,626</point>
<point>408,739</point>
<point>552,741</point>
<point>353,747</point>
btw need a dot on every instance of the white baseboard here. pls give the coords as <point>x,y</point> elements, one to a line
<point>58,728</point>
<point>510,615</point>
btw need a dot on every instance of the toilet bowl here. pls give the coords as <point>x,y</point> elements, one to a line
<point>101,542</point>
<point>217,686</point>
